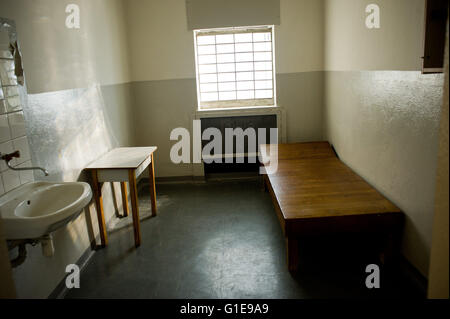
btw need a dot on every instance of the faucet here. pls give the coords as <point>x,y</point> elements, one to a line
<point>8,157</point>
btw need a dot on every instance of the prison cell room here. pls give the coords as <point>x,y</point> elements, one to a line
<point>252,150</point>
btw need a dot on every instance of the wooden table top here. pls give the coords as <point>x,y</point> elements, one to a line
<point>123,158</point>
<point>312,182</point>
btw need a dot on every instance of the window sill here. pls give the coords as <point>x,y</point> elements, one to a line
<point>236,111</point>
<point>238,108</point>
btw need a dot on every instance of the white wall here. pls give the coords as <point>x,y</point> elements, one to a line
<point>384,125</point>
<point>381,113</point>
<point>397,45</point>
<point>58,58</point>
<point>299,40</point>
<point>162,47</point>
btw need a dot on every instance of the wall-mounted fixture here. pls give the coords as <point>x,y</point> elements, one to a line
<point>436,14</point>
<point>13,97</point>
<point>13,48</point>
<point>31,212</point>
<point>16,154</point>
<point>46,242</point>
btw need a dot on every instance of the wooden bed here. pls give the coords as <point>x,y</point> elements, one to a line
<point>314,194</point>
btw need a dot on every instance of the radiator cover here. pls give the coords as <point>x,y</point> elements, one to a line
<point>252,121</point>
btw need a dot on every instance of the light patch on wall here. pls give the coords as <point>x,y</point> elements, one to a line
<point>68,130</point>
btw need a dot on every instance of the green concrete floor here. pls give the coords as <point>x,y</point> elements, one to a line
<point>222,239</point>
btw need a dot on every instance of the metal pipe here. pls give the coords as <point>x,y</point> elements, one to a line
<point>8,157</point>
<point>27,168</point>
<point>22,255</point>
<point>22,250</point>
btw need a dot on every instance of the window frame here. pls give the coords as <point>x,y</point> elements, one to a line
<point>237,103</point>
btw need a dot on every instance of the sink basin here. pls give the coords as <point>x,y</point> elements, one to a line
<point>39,208</point>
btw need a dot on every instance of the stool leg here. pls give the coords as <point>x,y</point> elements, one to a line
<point>97,189</point>
<point>123,189</point>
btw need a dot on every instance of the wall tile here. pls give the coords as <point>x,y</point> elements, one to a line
<point>10,91</point>
<point>26,176</point>
<point>11,180</point>
<point>6,147</point>
<point>17,124</point>
<point>5,133</point>
<point>13,104</point>
<point>21,144</point>
<point>2,106</point>
<point>7,75</point>
<point>6,54</point>
<point>12,126</point>
<point>2,190</point>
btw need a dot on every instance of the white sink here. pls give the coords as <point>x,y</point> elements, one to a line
<point>39,208</point>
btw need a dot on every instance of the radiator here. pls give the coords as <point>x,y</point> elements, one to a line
<point>221,123</point>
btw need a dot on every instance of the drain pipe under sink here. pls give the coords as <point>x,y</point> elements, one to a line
<point>48,249</point>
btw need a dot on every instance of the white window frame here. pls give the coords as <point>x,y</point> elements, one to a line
<point>242,103</point>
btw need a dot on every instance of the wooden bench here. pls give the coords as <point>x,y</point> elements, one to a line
<point>314,194</point>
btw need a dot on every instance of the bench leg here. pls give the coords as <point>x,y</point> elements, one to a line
<point>391,250</point>
<point>292,254</point>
